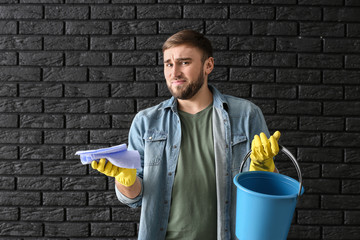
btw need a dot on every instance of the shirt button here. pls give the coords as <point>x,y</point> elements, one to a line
<point>161,229</point>
<point>150,138</point>
<point>170,174</point>
<point>165,202</point>
<point>226,202</point>
<point>227,146</point>
<point>175,146</point>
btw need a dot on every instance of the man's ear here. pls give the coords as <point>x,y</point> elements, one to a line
<point>209,65</point>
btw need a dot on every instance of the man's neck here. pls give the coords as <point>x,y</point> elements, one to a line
<point>202,99</point>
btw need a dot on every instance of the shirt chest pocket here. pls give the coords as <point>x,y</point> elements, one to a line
<point>239,149</point>
<point>154,147</point>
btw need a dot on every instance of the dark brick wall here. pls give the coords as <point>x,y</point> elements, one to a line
<point>74,73</point>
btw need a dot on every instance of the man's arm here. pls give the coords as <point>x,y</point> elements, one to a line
<point>132,191</point>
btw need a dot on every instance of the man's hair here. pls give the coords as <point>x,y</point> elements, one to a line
<point>191,38</point>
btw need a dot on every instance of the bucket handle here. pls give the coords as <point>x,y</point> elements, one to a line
<point>287,153</point>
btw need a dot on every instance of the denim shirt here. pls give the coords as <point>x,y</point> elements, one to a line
<point>156,134</point>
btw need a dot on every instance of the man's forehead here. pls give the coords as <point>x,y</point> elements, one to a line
<point>182,51</point>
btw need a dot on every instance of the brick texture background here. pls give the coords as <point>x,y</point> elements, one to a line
<point>74,73</point>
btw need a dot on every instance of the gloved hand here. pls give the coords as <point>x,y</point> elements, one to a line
<point>262,152</point>
<point>125,176</point>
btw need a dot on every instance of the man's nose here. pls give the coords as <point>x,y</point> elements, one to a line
<point>176,72</point>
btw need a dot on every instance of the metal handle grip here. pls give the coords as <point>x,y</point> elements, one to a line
<point>287,153</point>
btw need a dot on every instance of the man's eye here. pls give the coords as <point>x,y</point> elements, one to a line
<point>185,63</point>
<point>168,65</point>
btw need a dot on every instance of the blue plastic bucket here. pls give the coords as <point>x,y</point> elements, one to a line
<point>265,203</point>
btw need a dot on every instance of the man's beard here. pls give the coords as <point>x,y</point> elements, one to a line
<point>187,92</point>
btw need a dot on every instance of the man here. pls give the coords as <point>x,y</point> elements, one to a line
<point>191,147</point>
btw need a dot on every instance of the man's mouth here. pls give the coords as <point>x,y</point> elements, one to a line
<point>178,82</point>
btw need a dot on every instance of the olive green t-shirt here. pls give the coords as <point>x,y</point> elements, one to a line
<point>193,212</point>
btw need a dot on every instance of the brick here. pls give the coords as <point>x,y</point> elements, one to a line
<point>112,106</point>
<point>341,108</point>
<point>84,183</point>
<point>38,183</point>
<point>49,214</point>
<point>112,12</point>
<point>19,167</point>
<point>298,76</point>
<point>353,30</point>
<point>108,136</point>
<point>65,43</point>
<point>126,214</point>
<point>343,171</point>
<point>41,58</point>
<point>134,27</point>
<point>350,186</point>
<point>308,201</point>
<point>236,89</point>
<point>272,28</point>
<point>304,232</point>
<point>218,74</point>
<point>158,11</point>
<point>321,2</point>
<point>251,43</point>
<point>41,152</point>
<point>319,217</point>
<point>8,152</point>
<point>150,42</point>
<point>65,106</point>
<point>8,58</point>
<point>7,183</point>
<point>341,232</point>
<point>203,11</point>
<point>232,58</point>
<point>145,103</point>
<point>66,229</point>
<point>298,13</point>
<point>66,12</point>
<point>8,27</point>
<point>273,91</point>
<point>111,74</point>
<point>102,198</point>
<point>149,74</point>
<point>112,43</point>
<point>64,168</point>
<point>113,229</point>
<point>9,90</point>
<point>64,74</point>
<point>87,90</point>
<point>298,44</point>
<point>341,77</point>
<point>87,27</point>
<point>172,26</point>
<point>19,198</point>
<point>352,93</point>
<point>252,75</point>
<point>20,136</point>
<point>322,186</point>
<point>65,137</point>
<point>341,139</point>
<point>252,12</point>
<point>121,121</point>
<point>301,139</point>
<point>88,121</point>
<point>352,217</point>
<point>281,122</point>
<point>9,213</point>
<point>321,123</point>
<point>227,1</point>
<point>341,14</point>
<point>88,214</point>
<point>41,27</point>
<point>163,91</point>
<point>353,124</point>
<point>351,3</point>
<point>9,74</point>
<point>133,90</point>
<point>20,43</point>
<point>37,90</point>
<point>218,42</point>
<point>62,198</point>
<point>347,202</point>
<point>20,229</point>
<point>352,155</point>
<point>41,1</point>
<point>352,61</point>
<point>320,92</point>
<point>20,12</point>
<point>308,170</point>
<point>342,46</point>
<point>273,59</point>
<point>134,58</point>
<point>41,121</point>
<point>322,29</point>
<point>219,27</point>
<point>273,1</point>
<point>319,61</point>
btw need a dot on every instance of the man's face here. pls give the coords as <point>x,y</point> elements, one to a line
<point>184,71</point>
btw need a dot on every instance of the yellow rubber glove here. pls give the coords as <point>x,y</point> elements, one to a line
<point>125,176</point>
<point>262,152</point>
